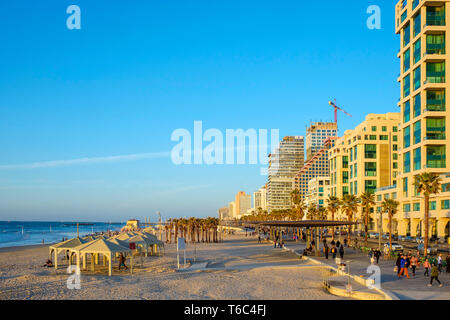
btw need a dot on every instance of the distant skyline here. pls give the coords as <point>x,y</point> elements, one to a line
<point>86,115</point>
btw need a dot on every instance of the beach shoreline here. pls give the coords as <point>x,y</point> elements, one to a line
<point>237,269</point>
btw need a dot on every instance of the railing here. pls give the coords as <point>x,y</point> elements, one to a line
<point>435,19</point>
<point>386,188</point>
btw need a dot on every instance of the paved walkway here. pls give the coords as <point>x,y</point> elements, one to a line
<point>413,288</point>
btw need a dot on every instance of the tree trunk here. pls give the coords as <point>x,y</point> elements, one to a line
<point>332,228</point>
<point>390,232</point>
<point>366,227</point>
<point>427,217</point>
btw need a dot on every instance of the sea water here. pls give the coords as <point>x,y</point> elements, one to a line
<point>22,233</point>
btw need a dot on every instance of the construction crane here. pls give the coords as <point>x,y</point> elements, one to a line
<point>336,108</point>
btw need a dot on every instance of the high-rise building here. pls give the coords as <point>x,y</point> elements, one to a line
<point>366,158</point>
<point>232,210</point>
<point>316,134</point>
<point>242,203</point>
<point>260,199</point>
<point>424,32</point>
<point>284,163</point>
<point>317,166</point>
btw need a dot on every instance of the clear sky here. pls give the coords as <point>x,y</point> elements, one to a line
<point>138,70</point>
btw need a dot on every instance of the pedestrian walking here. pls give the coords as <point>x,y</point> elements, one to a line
<point>448,263</point>
<point>345,242</point>
<point>435,275</point>
<point>427,267</point>
<point>338,244</point>
<point>403,267</point>
<point>439,261</point>
<point>377,255</point>
<point>398,264</point>
<point>333,252</point>
<point>414,262</point>
<point>341,251</point>
<point>326,251</point>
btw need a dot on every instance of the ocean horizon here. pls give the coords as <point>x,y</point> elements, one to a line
<point>23,233</point>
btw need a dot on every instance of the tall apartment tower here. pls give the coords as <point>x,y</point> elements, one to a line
<point>424,32</point>
<point>316,134</point>
<point>242,203</point>
<point>284,163</point>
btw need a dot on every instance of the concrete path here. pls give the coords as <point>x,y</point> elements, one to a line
<point>414,288</point>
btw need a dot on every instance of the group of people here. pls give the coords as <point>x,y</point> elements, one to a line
<point>336,247</point>
<point>374,255</point>
<point>408,261</point>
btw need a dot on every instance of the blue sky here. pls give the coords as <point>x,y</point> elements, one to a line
<point>138,70</point>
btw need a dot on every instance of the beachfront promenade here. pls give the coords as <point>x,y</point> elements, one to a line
<point>413,288</point>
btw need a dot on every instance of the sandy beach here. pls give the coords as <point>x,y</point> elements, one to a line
<point>238,268</point>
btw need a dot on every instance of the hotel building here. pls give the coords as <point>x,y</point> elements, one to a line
<point>284,163</point>
<point>318,191</point>
<point>424,35</point>
<point>366,158</point>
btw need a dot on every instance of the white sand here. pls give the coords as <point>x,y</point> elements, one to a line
<point>240,268</point>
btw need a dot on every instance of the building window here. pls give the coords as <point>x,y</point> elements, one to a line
<point>344,176</point>
<point>417,105</point>
<point>436,16</point>
<point>406,137</point>
<point>405,187</point>
<point>406,35</point>
<point>374,128</point>
<point>395,138</point>
<point>432,205</point>
<point>406,207</point>
<point>372,137</point>
<point>384,128</point>
<point>436,43</point>
<point>417,24</point>
<point>417,78</point>
<point>356,152</point>
<point>406,111</point>
<point>406,60</point>
<point>445,204</point>
<point>345,162</point>
<point>435,156</point>
<point>436,72</point>
<point>370,151</point>
<point>370,169</point>
<point>370,185</point>
<point>435,100</point>
<point>395,156</point>
<point>406,86</point>
<point>406,162</point>
<point>416,206</point>
<point>384,137</point>
<point>344,190</point>
<point>435,129</point>
<point>417,132</point>
<point>417,51</point>
<point>417,159</point>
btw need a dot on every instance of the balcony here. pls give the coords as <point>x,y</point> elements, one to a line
<point>435,19</point>
<point>435,77</point>
<point>435,48</point>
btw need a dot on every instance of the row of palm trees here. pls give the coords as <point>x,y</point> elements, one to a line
<point>192,229</point>
<point>425,183</point>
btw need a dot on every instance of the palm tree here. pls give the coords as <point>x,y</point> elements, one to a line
<point>390,205</point>
<point>428,184</point>
<point>333,206</point>
<point>367,202</point>
<point>349,206</point>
